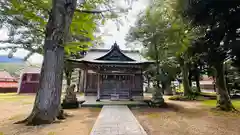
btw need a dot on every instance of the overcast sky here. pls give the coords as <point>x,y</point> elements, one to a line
<point>109,29</point>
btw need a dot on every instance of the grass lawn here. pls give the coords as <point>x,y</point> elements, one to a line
<point>212,103</point>
<point>17,98</point>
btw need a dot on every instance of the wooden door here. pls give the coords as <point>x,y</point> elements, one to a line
<point>115,85</point>
<point>123,86</point>
<point>107,87</point>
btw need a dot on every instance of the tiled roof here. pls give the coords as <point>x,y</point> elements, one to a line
<point>93,54</point>
<point>5,75</point>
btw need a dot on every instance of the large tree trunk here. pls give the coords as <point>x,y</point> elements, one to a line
<point>214,84</point>
<point>163,87</point>
<point>190,77</point>
<point>48,98</point>
<point>197,77</point>
<point>167,88</point>
<point>184,69</point>
<point>157,95</point>
<point>223,99</point>
<point>148,82</point>
<point>69,80</point>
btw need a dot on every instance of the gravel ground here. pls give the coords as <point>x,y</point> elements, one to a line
<point>187,118</point>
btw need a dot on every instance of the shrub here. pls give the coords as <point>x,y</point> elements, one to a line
<point>192,96</point>
<point>178,98</point>
<point>180,90</point>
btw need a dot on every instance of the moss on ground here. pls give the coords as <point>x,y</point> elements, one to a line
<point>14,97</point>
<point>212,103</point>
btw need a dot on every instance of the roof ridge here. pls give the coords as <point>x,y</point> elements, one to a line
<point>106,50</point>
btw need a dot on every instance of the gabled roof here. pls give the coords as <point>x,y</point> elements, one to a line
<point>5,75</point>
<point>114,55</point>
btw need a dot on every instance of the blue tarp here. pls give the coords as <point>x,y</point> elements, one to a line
<point>5,59</point>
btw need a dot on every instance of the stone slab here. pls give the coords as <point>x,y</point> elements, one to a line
<point>90,101</point>
<point>117,120</point>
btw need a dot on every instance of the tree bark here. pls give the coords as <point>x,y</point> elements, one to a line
<point>148,82</point>
<point>190,77</point>
<point>157,95</point>
<point>223,99</point>
<point>167,88</point>
<point>214,84</point>
<point>185,71</point>
<point>69,80</point>
<point>68,74</point>
<point>196,77</point>
<point>48,98</point>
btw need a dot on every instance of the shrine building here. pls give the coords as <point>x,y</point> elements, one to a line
<point>111,73</point>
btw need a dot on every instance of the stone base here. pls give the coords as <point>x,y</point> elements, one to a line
<point>70,105</point>
<point>137,97</point>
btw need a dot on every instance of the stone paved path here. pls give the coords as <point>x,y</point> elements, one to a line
<point>117,120</point>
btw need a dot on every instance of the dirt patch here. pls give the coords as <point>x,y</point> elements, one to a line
<point>186,118</point>
<point>13,104</point>
<point>79,123</point>
<point>14,108</point>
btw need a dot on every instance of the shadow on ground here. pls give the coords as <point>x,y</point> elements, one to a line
<point>186,118</point>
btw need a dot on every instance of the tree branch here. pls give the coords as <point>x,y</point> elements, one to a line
<point>28,25</point>
<point>93,11</point>
<point>37,50</point>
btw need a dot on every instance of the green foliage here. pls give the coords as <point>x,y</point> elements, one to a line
<point>163,27</point>
<point>212,103</point>
<point>192,96</point>
<point>179,98</point>
<point>26,21</point>
<point>220,23</point>
<point>180,89</point>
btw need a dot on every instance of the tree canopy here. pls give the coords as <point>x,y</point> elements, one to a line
<point>26,21</point>
<point>166,37</point>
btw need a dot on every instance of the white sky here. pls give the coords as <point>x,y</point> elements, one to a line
<point>110,28</point>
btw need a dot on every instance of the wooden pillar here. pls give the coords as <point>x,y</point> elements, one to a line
<point>142,82</point>
<point>98,87</point>
<point>79,81</point>
<point>85,81</point>
<point>132,87</point>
